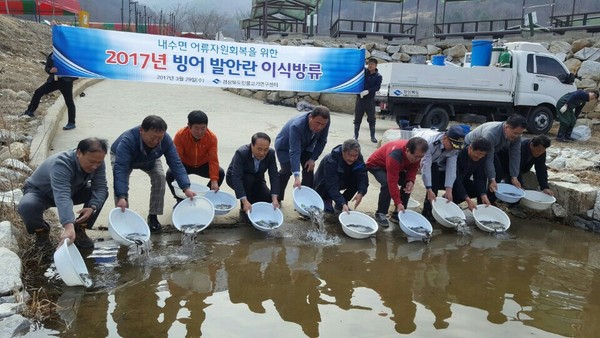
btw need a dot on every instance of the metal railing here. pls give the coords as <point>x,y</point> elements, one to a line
<point>362,28</point>
<point>497,28</point>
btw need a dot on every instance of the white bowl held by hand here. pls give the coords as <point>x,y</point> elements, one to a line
<point>127,227</point>
<point>490,218</point>
<point>197,212</point>
<point>447,213</point>
<point>70,265</point>
<point>537,200</point>
<point>223,202</point>
<point>198,188</point>
<point>357,224</point>
<point>509,193</point>
<point>415,225</point>
<point>306,197</point>
<point>264,217</point>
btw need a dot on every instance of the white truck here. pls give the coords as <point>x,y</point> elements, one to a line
<point>429,96</point>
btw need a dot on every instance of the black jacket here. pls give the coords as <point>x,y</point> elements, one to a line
<point>50,65</point>
<point>528,161</point>
<point>372,83</point>
<point>333,170</point>
<point>465,167</point>
<point>242,164</point>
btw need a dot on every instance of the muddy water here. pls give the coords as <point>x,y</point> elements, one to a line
<point>543,280</point>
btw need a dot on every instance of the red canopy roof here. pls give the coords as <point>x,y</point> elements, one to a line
<point>40,7</point>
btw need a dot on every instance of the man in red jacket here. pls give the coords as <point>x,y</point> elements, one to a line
<point>395,165</point>
<point>197,149</point>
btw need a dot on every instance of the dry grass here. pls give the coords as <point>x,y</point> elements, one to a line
<point>39,308</point>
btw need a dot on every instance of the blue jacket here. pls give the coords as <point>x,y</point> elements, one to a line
<point>574,101</point>
<point>296,137</point>
<point>333,170</point>
<point>130,153</point>
<point>242,164</point>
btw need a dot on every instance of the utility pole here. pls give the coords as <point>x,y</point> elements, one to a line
<point>136,16</point>
<point>122,3</point>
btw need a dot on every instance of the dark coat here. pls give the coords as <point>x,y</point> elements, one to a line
<point>334,172</point>
<point>465,168</point>
<point>242,164</point>
<point>49,65</point>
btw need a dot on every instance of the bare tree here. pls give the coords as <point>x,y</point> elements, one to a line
<point>209,23</point>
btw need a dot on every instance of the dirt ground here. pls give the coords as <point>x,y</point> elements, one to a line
<point>24,44</point>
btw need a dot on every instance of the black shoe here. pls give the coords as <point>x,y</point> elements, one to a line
<point>244,217</point>
<point>42,238</point>
<point>82,240</point>
<point>69,126</point>
<point>154,225</point>
<point>394,217</point>
<point>27,113</point>
<point>373,139</point>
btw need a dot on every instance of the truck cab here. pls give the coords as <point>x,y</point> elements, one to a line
<point>530,83</point>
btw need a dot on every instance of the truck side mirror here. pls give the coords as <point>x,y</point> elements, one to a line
<point>567,78</point>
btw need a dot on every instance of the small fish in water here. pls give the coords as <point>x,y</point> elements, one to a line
<point>511,194</point>
<point>496,226</point>
<point>136,238</point>
<point>87,280</point>
<point>267,224</point>
<point>310,208</point>
<point>359,227</point>
<point>421,230</point>
<point>456,220</point>
<point>223,206</point>
<point>192,228</point>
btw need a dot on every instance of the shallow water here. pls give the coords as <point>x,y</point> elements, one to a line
<point>541,280</point>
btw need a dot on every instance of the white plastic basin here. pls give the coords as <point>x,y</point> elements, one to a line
<point>484,214</point>
<point>198,210</point>
<point>220,199</point>
<point>126,224</point>
<point>537,200</point>
<point>198,188</point>
<point>263,211</point>
<point>70,265</point>
<point>410,220</point>
<point>509,193</point>
<point>357,224</point>
<point>442,210</point>
<point>306,197</point>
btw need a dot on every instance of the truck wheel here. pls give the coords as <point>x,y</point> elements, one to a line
<point>436,118</point>
<point>539,120</point>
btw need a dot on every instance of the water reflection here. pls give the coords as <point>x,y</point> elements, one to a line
<point>543,280</point>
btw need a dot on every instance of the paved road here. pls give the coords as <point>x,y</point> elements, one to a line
<point>111,107</point>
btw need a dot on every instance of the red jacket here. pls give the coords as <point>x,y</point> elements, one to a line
<point>195,153</point>
<point>392,157</point>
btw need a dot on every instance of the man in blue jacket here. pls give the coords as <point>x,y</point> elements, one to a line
<point>65,179</point>
<point>141,148</point>
<point>246,173</point>
<point>342,169</point>
<point>299,144</point>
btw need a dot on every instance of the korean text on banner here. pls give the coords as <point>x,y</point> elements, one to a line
<point>164,59</point>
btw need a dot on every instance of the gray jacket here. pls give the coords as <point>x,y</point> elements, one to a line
<point>494,133</point>
<point>60,177</point>
<point>445,159</point>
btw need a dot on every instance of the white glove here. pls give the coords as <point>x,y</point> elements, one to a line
<point>563,108</point>
<point>364,93</point>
